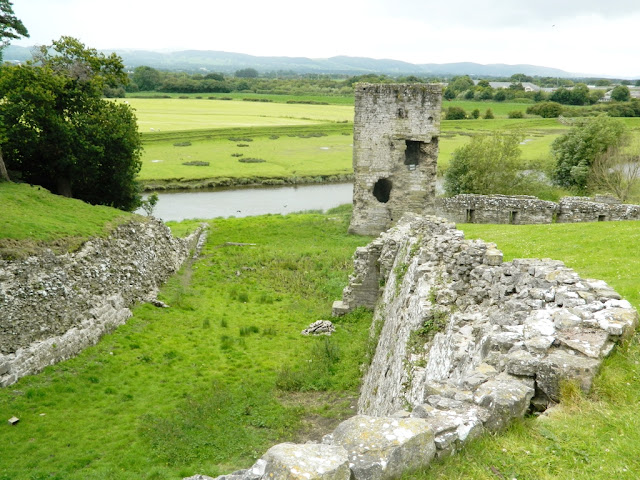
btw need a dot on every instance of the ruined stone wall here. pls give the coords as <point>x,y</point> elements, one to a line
<point>525,209</point>
<point>514,209</point>
<point>54,306</point>
<point>577,209</point>
<point>396,129</point>
<point>465,344</point>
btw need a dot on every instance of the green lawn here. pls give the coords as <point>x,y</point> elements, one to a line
<point>32,218</point>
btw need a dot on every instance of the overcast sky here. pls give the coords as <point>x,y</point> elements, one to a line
<point>579,36</point>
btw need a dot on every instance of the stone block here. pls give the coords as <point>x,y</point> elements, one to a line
<point>505,398</point>
<point>311,461</point>
<point>561,366</point>
<point>385,447</point>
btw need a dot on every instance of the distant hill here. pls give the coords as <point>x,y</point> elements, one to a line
<point>227,62</point>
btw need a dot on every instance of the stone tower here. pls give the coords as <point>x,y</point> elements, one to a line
<point>395,153</point>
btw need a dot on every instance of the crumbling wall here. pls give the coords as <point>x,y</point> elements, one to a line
<point>465,344</point>
<point>526,209</point>
<point>396,129</point>
<point>54,306</point>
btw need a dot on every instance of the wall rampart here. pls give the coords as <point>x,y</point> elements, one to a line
<point>54,306</point>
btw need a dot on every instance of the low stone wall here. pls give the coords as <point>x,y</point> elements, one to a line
<point>466,343</point>
<point>54,306</point>
<point>526,209</point>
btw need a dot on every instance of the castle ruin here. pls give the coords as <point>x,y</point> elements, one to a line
<point>395,153</point>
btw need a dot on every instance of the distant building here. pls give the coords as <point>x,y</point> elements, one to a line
<point>528,86</point>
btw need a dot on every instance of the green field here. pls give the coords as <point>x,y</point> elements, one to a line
<point>295,155</point>
<point>195,114</point>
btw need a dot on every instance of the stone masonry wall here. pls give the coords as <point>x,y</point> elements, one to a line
<point>465,344</point>
<point>525,209</point>
<point>54,306</point>
<point>396,129</point>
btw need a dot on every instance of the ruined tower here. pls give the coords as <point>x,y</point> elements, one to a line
<point>395,153</point>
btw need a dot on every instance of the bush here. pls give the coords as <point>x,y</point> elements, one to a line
<point>456,113</point>
<point>546,109</point>
<point>196,163</point>
<point>488,115</point>
<point>515,114</point>
<point>475,114</point>
<point>251,160</point>
<point>486,165</point>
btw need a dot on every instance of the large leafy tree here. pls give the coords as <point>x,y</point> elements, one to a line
<point>59,132</point>
<point>576,150</point>
<point>11,28</point>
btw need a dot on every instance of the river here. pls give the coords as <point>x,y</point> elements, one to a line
<point>245,202</point>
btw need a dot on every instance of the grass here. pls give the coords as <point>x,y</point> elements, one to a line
<point>285,157</point>
<point>207,124</point>
<point>194,114</point>
<point>191,389</point>
<point>33,219</point>
<point>592,437</point>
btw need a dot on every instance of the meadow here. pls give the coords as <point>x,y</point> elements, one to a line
<point>290,142</point>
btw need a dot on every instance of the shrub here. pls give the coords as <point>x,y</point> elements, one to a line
<point>456,113</point>
<point>546,109</point>
<point>486,165</point>
<point>488,115</point>
<point>251,160</point>
<point>196,163</point>
<point>516,114</point>
<point>476,113</point>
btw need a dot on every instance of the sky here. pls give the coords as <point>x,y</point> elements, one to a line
<point>579,36</point>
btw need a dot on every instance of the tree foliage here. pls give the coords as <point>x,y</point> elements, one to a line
<point>487,164</point>
<point>146,78</point>
<point>11,27</point>
<point>58,131</point>
<point>576,150</point>
<point>621,93</point>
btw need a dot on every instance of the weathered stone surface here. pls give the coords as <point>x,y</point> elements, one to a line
<point>288,461</point>
<point>384,447</point>
<point>54,306</point>
<point>561,366</point>
<point>533,319</point>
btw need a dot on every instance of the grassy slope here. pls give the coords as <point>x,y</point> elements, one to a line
<point>190,389</point>
<point>32,218</point>
<point>593,437</point>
